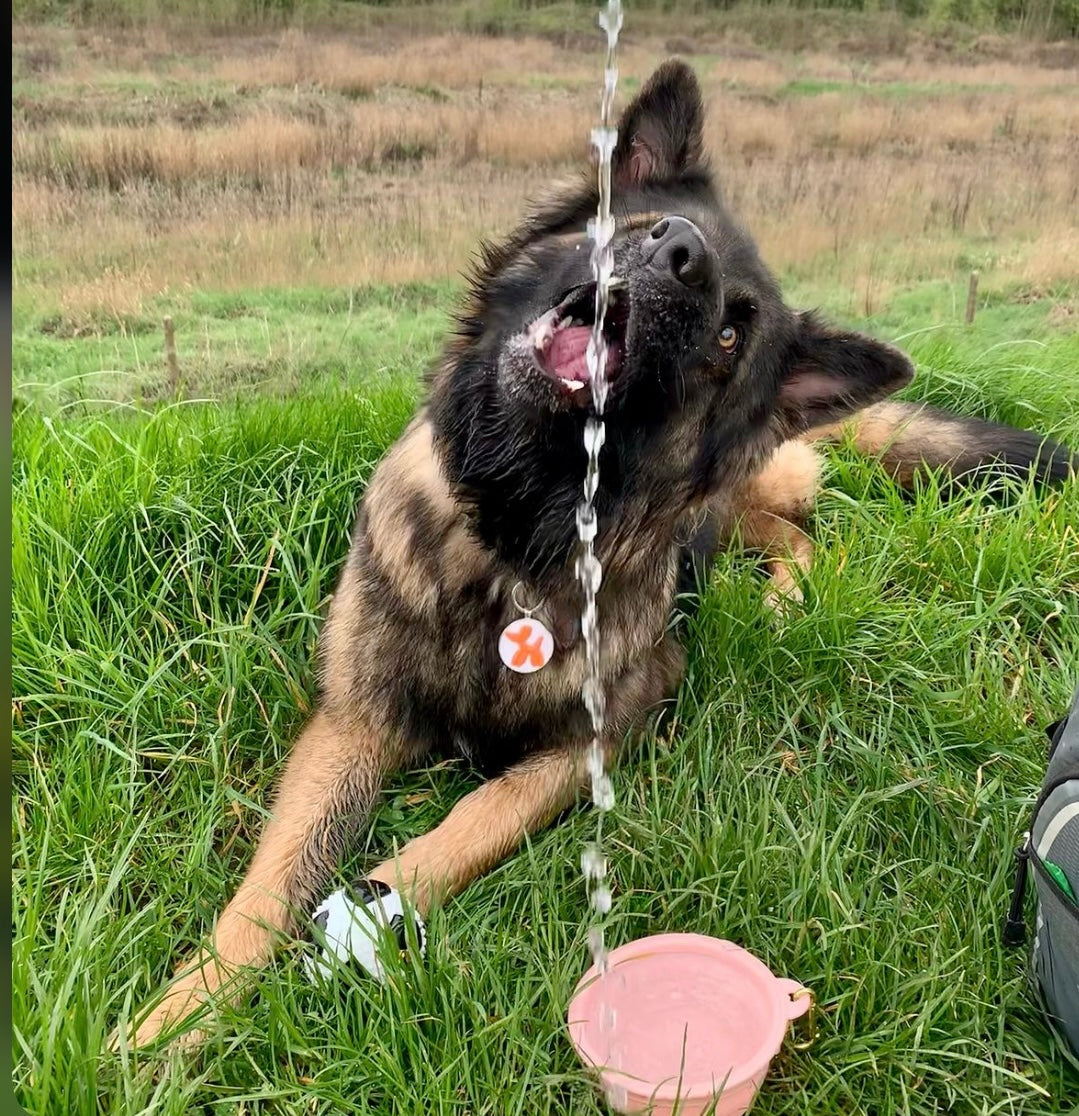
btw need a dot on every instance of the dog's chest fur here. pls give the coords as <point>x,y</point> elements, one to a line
<point>411,642</point>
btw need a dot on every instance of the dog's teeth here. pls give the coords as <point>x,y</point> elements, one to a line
<point>574,384</point>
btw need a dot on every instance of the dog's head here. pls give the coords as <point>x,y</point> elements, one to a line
<point>708,368</point>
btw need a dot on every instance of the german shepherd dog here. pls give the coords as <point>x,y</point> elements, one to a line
<point>717,392</point>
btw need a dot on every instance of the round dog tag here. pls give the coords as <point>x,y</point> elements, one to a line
<point>525,645</point>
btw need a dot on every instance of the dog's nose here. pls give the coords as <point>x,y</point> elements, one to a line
<point>676,247</point>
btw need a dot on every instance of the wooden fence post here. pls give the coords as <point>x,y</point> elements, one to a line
<point>170,358</point>
<point>972,297</point>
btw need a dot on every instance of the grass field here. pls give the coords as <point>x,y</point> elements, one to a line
<point>840,793</point>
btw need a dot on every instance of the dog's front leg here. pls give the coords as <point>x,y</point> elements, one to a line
<point>329,785</point>
<point>485,827</point>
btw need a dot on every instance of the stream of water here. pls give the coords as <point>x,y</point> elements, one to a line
<point>589,569</point>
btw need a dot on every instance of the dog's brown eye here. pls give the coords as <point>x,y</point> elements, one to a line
<point>730,337</point>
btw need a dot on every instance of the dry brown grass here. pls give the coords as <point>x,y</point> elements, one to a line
<point>447,61</point>
<point>139,168</point>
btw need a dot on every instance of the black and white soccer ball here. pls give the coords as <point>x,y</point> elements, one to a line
<point>354,926</point>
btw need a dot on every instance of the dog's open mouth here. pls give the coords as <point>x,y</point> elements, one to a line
<point>560,337</point>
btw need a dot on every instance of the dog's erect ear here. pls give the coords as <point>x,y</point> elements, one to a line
<point>660,133</point>
<point>834,373</point>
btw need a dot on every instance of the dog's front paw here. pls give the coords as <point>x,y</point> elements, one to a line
<point>353,925</point>
<point>178,1005</point>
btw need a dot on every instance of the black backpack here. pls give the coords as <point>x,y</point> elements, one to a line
<point>1052,847</point>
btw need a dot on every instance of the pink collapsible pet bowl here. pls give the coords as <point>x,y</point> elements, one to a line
<point>696,1022</point>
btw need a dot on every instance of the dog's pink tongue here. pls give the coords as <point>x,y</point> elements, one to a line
<point>567,356</point>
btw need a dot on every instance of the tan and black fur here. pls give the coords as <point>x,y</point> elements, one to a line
<point>718,393</point>
<point>770,509</point>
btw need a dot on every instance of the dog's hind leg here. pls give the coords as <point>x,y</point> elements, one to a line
<point>787,550</point>
<point>328,787</point>
<point>773,505</point>
<point>766,511</point>
<point>485,827</point>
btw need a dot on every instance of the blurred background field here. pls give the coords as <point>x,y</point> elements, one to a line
<point>272,177</point>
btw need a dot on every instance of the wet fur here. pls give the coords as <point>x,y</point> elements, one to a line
<point>476,501</point>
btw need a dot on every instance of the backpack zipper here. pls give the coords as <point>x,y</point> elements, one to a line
<point>1015,928</point>
<point>1014,931</point>
<point>1069,903</point>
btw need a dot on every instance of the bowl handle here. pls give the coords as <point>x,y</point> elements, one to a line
<point>796,999</point>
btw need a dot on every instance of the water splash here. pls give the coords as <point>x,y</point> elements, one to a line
<point>589,569</point>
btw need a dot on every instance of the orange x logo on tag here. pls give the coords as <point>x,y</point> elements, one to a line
<point>531,653</point>
<point>525,646</point>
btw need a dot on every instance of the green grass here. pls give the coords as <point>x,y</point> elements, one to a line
<point>814,87</point>
<point>272,341</point>
<point>840,794</point>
